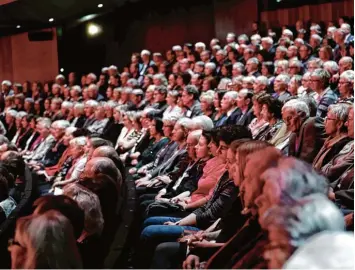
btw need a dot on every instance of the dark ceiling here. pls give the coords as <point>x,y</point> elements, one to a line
<point>34,14</point>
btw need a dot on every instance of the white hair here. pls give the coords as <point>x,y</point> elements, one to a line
<point>94,87</point>
<point>331,29</point>
<point>7,83</point>
<point>60,76</point>
<point>145,52</point>
<point>70,130</point>
<point>210,65</point>
<point>21,114</point>
<point>281,49</point>
<point>315,28</point>
<point>186,123</point>
<point>317,38</point>
<point>111,104</point>
<point>112,67</point>
<point>76,88</point>
<point>287,32</point>
<point>79,106</point>
<point>203,122</point>
<point>150,88</point>
<point>92,76</point>
<point>243,37</point>
<point>224,83</point>
<point>346,27</point>
<point>238,79</point>
<point>249,79</point>
<point>263,80</point>
<point>45,122</point>
<point>332,65</point>
<point>239,66</point>
<point>67,104</point>
<point>348,75</point>
<point>268,40</point>
<point>92,103</point>
<point>299,40</point>
<point>62,124</point>
<point>133,82</point>
<point>138,92</point>
<point>177,48</point>
<point>296,62</point>
<point>200,45</point>
<point>346,60</point>
<point>127,90</point>
<point>207,97</point>
<point>223,52</point>
<point>13,113</point>
<point>233,95</point>
<point>283,64</point>
<point>297,105</point>
<point>284,78</point>
<point>171,117</point>
<point>104,69</point>
<point>255,37</point>
<point>253,60</point>
<point>79,141</point>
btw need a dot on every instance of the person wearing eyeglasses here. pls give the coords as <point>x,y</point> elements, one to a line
<point>337,134</point>
<point>346,86</point>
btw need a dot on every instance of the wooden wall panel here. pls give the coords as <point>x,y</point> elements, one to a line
<point>21,59</point>
<point>323,12</point>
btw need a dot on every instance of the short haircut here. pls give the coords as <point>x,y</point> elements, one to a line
<point>230,133</point>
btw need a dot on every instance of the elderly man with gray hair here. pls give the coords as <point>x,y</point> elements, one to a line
<point>280,87</point>
<point>346,86</point>
<point>307,133</point>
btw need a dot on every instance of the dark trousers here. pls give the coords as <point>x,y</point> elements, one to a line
<point>169,255</point>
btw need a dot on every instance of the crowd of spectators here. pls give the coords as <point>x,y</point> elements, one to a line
<point>241,152</point>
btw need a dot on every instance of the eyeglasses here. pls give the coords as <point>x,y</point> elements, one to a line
<point>330,119</point>
<point>13,242</point>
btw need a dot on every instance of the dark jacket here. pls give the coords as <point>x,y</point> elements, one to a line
<point>54,154</point>
<point>111,131</point>
<point>234,117</point>
<point>149,153</point>
<point>80,122</point>
<point>189,182</point>
<point>306,144</point>
<point>327,99</point>
<point>11,132</point>
<point>221,201</point>
<point>195,110</point>
<point>245,119</point>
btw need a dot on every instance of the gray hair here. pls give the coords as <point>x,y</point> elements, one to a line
<point>60,76</point>
<point>79,106</point>
<point>206,96</point>
<point>67,104</point>
<point>104,165</point>
<point>346,60</point>
<point>243,37</point>
<point>331,65</point>
<point>306,217</point>
<point>92,103</point>
<point>283,64</point>
<point>224,83</point>
<point>203,122</point>
<point>186,123</point>
<point>176,48</point>
<point>138,92</point>
<point>210,65</point>
<point>299,40</point>
<point>112,67</point>
<point>196,134</point>
<point>346,27</point>
<point>317,38</point>
<point>262,80</point>
<point>348,75</point>
<point>21,114</point>
<point>315,28</point>
<point>322,74</point>
<point>92,76</point>
<point>284,78</point>
<point>298,106</point>
<point>62,124</point>
<point>340,110</point>
<point>239,66</point>
<point>317,61</point>
<point>111,104</point>
<point>79,141</point>
<point>287,32</point>
<point>145,52</point>
<point>161,78</point>
<point>200,45</point>
<point>296,62</point>
<point>13,113</point>
<point>281,49</point>
<point>45,122</point>
<point>171,117</point>
<point>133,82</point>
<point>76,88</point>
<point>89,202</point>
<point>93,87</point>
<point>253,60</point>
<point>70,130</point>
<point>173,93</point>
<point>268,40</point>
<point>6,82</point>
<point>249,79</point>
<point>231,95</point>
<point>30,100</point>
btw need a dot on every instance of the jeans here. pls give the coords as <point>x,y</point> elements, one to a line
<point>155,232</point>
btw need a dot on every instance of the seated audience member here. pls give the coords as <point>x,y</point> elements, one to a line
<point>113,128</point>
<point>34,135</point>
<point>307,133</point>
<point>244,103</point>
<point>19,129</point>
<point>206,100</point>
<point>7,203</point>
<point>167,151</point>
<point>229,108</point>
<point>337,134</point>
<point>156,229</point>
<point>184,185</point>
<point>171,101</point>
<point>90,107</point>
<point>157,141</point>
<point>94,142</point>
<point>346,86</point>
<point>100,122</point>
<point>65,206</point>
<point>78,161</point>
<point>137,98</point>
<point>79,116</point>
<point>219,114</point>
<point>258,123</point>
<point>55,108</point>
<point>10,121</point>
<point>129,133</point>
<point>26,132</point>
<point>202,122</point>
<point>189,99</point>
<point>297,222</point>
<point>89,243</point>
<point>176,164</point>
<point>42,144</point>
<point>109,152</point>
<point>280,87</point>
<point>245,247</point>
<point>340,170</point>
<point>271,112</point>
<point>33,245</point>
<point>320,84</point>
<point>337,250</point>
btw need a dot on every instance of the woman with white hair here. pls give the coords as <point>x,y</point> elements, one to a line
<point>77,159</point>
<point>291,225</point>
<point>44,241</point>
<point>346,86</point>
<point>207,100</point>
<point>89,243</point>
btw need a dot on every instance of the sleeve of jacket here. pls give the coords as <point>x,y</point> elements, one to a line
<point>314,137</point>
<point>220,207</point>
<point>181,165</point>
<point>37,155</point>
